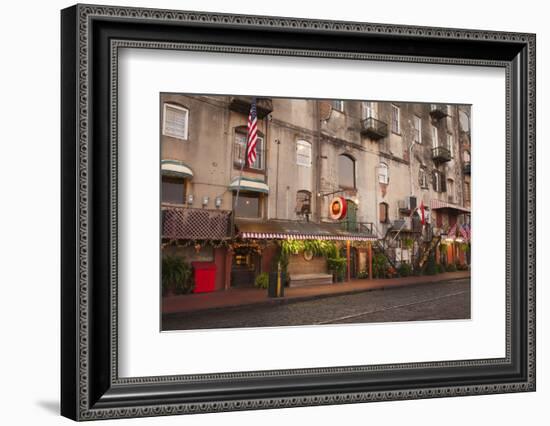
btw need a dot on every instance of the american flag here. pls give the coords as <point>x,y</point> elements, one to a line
<point>452,231</point>
<point>252,139</point>
<point>465,231</point>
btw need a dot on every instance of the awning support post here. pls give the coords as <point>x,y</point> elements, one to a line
<point>369,255</point>
<point>348,255</point>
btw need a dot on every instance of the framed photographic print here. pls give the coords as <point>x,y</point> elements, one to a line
<point>263,212</point>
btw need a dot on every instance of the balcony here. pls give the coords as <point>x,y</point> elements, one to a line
<point>466,168</point>
<point>438,111</point>
<point>407,224</point>
<point>373,128</point>
<point>183,223</point>
<point>264,106</point>
<point>441,154</point>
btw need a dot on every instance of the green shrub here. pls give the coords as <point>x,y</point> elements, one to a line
<point>262,280</point>
<point>338,267</point>
<point>462,267</point>
<point>177,275</point>
<point>405,269</point>
<point>379,265</point>
<point>363,274</point>
<point>431,266</point>
<point>451,267</point>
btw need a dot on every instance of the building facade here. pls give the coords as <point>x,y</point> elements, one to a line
<point>389,163</point>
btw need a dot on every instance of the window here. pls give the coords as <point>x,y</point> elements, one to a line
<point>338,105</point>
<point>239,150</point>
<point>303,153</point>
<point>248,205</point>
<point>303,202</point>
<point>346,171</point>
<point>466,157</point>
<point>395,117</point>
<point>369,110</point>
<point>438,181</point>
<point>383,173</point>
<point>383,212</point>
<point>173,190</point>
<point>435,137</point>
<point>451,190</point>
<point>467,191</point>
<point>175,122</point>
<point>423,178</point>
<point>417,122</point>
<point>450,143</point>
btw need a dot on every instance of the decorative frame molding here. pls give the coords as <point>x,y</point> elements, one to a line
<point>91,388</point>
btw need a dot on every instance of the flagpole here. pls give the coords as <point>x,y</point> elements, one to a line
<point>245,158</point>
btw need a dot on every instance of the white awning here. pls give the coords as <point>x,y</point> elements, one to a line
<point>248,184</point>
<point>176,168</point>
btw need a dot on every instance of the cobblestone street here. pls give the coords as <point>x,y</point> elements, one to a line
<point>440,301</point>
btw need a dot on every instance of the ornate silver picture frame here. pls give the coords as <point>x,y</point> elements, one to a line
<point>91,38</point>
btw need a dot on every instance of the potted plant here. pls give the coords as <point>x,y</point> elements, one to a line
<point>177,276</point>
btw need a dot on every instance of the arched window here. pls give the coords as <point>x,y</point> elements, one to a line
<point>383,173</point>
<point>464,121</point>
<point>451,190</point>
<point>303,202</point>
<point>346,171</point>
<point>303,153</point>
<point>383,212</point>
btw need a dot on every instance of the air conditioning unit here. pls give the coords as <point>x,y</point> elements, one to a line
<point>408,204</point>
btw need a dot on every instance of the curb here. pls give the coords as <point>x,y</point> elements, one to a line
<point>289,300</point>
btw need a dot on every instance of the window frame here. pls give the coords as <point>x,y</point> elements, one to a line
<point>435,136</point>
<point>304,142</point>
<point>397,129</point>
<point>354,161</point>
<point>248,194</point>
<point>173,180</point>
<point>167,105</point>
<point>417,130</point>
<point>450,144</point>
<point>383,166</point>
<point>309,198</point>
<point>386,215</point>
<point>369,110</point>
<point>242,130</point>
<point>337,105</point>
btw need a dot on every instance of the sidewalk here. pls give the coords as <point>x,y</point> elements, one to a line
<point>236,297</point>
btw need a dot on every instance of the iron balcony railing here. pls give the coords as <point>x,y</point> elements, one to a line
<point>438,111</point>
<point>357,227</point>
<point>264,106</point>
<point>441,154</point>
<point>373,128</point>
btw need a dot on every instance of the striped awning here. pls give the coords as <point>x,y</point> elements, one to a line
<point>438,204</point>
<point>296,230</point>
<point>269,236</point>
<point>248,184</point>
<point>176,168</point>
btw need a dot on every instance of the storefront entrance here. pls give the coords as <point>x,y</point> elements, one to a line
<point>245,267</point>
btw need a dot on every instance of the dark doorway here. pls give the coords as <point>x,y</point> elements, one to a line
<point>245,267</point>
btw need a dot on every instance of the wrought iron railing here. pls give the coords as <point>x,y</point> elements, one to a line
<point>441,154</point>
<point>373,128</point>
